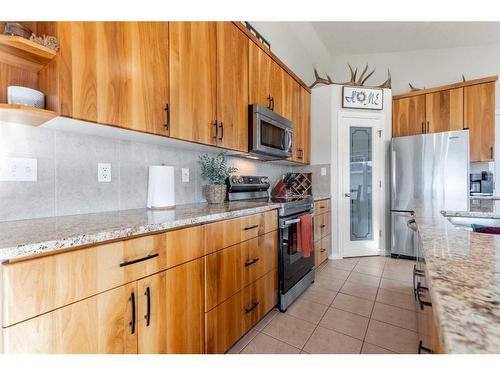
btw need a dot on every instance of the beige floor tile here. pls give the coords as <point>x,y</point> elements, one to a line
<point>307,310</point>
<point>374,349</point>
<point>375,270</point>
<point>325,341</point>
<point>390,337</point>
<point>289,329</point>
<point>342,264</point>
<point>398,286</point>
<point>238,347</point>
<point>395,315</point>
<point>319,294</point>
<point>405,301</point>
<point>351,324</point>
<point>353,304</point>
<point>266,319</point>
<point>363,279</point>
<point>390,273</point>
<point>264,344</point>
<point>359,290</point>
<point>330,272</point>
<point>375,260</point>
<point>327,282</point>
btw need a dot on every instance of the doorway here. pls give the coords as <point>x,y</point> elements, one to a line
<point>361,186</point>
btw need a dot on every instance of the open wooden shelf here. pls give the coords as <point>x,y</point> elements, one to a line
<point>21,114</point>
<point>23,53</point>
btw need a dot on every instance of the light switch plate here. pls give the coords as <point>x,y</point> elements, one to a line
<point>185,174</point>
<point>323,171</point>
<point>18,169</point>
<point>104,172</point>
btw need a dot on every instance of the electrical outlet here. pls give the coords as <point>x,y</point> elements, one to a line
<point>323,171</point>
<point>18,169</point>
<point>104,172</point>
<point>185,174</point>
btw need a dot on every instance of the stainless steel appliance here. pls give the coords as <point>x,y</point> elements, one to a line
<point>270,135</point>
<point>429,173</point>
<point>295,272</point>
<point>481,183</point>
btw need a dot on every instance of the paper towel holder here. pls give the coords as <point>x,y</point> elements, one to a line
<point>161,187</point>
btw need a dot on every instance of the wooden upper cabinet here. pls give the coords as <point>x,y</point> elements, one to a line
<point>193,81</point>
<point>232,87</point>
<point>408,116</point>
<point>100,324</point>
<point>479,118</point>
<point>301,119</point>
<point>260,66</point>
<point>444,110</point>
<point>113,73</point>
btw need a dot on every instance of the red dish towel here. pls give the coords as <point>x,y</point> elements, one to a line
<point>304,235</point>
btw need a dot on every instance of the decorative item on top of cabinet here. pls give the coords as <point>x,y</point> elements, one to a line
<point>353,81</point>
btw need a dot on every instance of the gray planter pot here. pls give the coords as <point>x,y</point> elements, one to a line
<point>215,194</point>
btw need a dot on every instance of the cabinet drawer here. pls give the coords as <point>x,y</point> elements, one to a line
<point>225,233</point>
<point>184,245</point>
<point>322,226</point>
<point>320,207</point>
<point>35,286</point>
<point>317,256</point>
<point>325,248</point>
<point>230,269</point>
<point>225,324</point>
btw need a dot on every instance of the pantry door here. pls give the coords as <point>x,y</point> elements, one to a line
<point>362,163</point>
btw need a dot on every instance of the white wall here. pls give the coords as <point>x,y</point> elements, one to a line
<point>297,45</point>
<point>424,68</point>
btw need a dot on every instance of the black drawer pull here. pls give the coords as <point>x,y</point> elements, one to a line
<point>167,111</point>
<point>147,293</point>
<point>255,304</point>
<point>322,206</point>
<point>423,349</point>
<point>415,274</point>
<point>422,303</point>
<point>250,262</point>
<point>322,250</point>
<point>322,226</point>
<point>251,227</point>
<point>129,262</point>
<point>132,322</point>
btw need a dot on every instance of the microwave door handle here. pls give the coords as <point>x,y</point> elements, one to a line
<point>289,144</point>
<point>283,140</point>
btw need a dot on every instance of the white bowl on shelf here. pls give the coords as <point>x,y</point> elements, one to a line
<point>25,96</point>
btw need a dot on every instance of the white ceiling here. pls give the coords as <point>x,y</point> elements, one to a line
<point>351,38</point>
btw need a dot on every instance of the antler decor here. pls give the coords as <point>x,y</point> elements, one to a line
<point>353,81</point>
<point>413,88</point>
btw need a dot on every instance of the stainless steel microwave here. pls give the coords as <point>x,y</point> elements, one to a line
<point>270,135</point>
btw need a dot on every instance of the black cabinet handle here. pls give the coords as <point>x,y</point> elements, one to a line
<point>254,305</point>
<point>272,103</point>
<point>423,131</point>
<point>322,206</point>
<point>422,303</point>
<point>491,152</point>
<point>423,349</point>
<point>269,102</point>
<point>428,127</point>
<point>250,262</point>
<point>216,131</point>
<point>415,274</point>
<point>132,322</point>
<point>322,226</point>
<point>167,111</point>
<point>221,127</point>
<point>147,293</point>
<point>322,250</point>
<point>300,154</point>
<point>129,262</point>
<point>251,227</point>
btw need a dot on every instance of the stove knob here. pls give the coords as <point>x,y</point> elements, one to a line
<point>234,180</point>
<point>240,180</point>
<point>263,180</point>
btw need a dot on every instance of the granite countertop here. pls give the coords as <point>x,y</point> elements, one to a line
<point>463,270</point>
<point>25,238</point>
<point>320,197</point>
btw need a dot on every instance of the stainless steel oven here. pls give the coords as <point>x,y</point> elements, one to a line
<point>295,271</point>
<point>270,135</point>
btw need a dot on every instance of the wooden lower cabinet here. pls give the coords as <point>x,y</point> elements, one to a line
<point>100,324</point>
<point>226,323</point>
<point>321,250</point>
<point>185,301</point>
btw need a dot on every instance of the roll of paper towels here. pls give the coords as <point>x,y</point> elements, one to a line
<point>161,187</point>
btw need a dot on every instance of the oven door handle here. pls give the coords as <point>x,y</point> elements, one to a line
<point>294,221</point>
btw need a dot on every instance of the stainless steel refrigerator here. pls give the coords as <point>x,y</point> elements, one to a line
<point>429,173</point>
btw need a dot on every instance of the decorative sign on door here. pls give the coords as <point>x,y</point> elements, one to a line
<point>362,98</point>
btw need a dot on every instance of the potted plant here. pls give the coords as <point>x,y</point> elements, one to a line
<point>215,170</point>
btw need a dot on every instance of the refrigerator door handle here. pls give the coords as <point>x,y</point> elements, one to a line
<point>393,177</point>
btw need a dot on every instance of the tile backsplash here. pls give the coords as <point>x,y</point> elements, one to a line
<point>67,173</point>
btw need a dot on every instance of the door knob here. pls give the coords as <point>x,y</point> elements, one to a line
<point>347,195</point>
